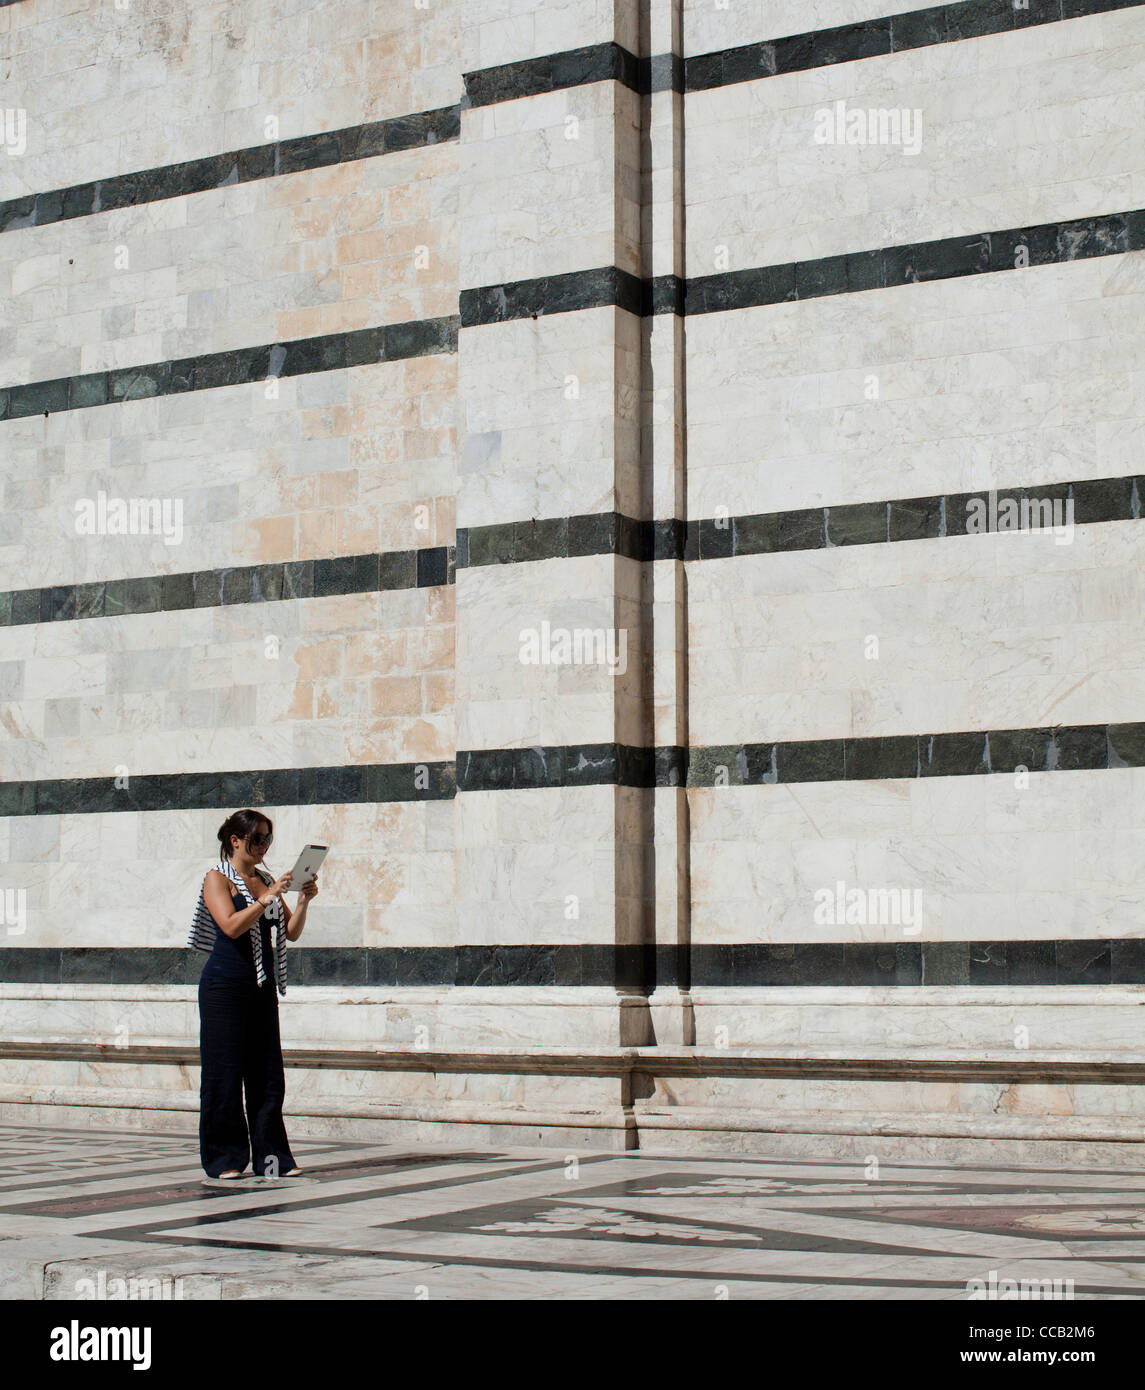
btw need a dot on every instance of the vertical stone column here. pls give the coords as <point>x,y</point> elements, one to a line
<point>550,435</point>
<point>663,465</point>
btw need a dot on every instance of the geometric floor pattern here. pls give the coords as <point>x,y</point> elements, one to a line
<point>85,1213</point>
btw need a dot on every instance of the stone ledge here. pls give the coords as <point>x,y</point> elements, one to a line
<point>1033,1068</point>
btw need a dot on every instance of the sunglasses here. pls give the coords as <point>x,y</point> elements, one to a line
<point>261,841</point>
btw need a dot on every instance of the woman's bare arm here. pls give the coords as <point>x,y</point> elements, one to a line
<point>220,904</point>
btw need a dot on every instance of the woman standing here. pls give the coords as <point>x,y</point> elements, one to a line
<point>243,921</point>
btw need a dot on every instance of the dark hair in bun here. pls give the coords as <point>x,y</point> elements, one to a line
<point>242,824</point>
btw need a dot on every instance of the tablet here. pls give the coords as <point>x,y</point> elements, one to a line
<point>306,866</point>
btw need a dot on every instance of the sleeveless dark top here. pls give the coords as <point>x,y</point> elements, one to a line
<point>233,956</point>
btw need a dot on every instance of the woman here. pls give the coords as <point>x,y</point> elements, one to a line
<point>239,1041</point>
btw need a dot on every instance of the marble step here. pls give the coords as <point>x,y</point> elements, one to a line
<point>608,1124</point>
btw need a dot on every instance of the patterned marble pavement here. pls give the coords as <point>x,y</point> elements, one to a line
<point>83,1214</point>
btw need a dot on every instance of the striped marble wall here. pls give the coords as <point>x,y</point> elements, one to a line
<point>653,486</point>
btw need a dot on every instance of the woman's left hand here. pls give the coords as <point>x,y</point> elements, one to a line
<point>311,889</point>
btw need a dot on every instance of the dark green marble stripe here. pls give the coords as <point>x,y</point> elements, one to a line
<point>223,791</point>
<point>391,342</point>
<point>876,38</point>
<point>968,753</point>
<point>1024,963</point>
<point>984,253</point>
<point>236,166</point>
<point>976,752</point>
<point>1088,501</point>
<point>169,593</point>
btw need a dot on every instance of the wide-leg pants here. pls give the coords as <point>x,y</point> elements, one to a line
<point>240,1050</point>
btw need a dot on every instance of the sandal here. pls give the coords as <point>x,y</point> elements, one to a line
<point>231,1173</point>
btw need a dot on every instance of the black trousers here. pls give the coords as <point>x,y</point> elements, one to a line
<point>240,1050</point>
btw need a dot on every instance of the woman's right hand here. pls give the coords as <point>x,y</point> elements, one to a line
<point>278,887</point>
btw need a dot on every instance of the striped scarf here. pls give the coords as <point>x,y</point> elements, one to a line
<point>204,928</point>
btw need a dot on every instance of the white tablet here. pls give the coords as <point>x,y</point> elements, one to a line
<point>306,866</point>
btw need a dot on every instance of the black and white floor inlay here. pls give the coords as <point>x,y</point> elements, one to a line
<point>82,1213</point>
